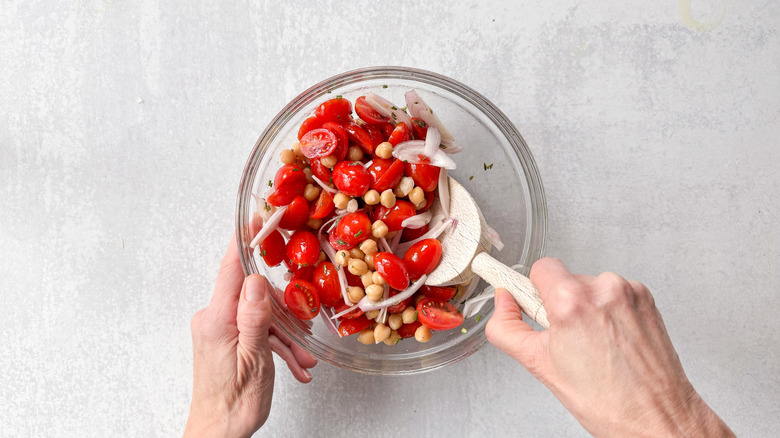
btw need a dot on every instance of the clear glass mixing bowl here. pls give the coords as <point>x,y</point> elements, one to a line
<point>496,166</point>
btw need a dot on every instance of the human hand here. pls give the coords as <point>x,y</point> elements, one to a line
<point>606,356</point>
<point>232,340</point>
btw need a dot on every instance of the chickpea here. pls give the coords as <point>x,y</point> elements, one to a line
<point>369,259</point>
<point>388,198</point>
<point>409,315</point>
<point>381,332</point>
<point>342,257</point>
<point>367,279</point>
<point>296,148</point>
<point>354,153</point>
<point>341,200</point>
<point>366,337</point>
<point>357,266</point>
<point>288,156</point>
<point>372,314</point>
<point>378,279</point>
<point>307,172</point>
<point>379,229</point>
<point>355,293</point>
<point>374,292</point>
<point>368,247</point>
<point>405,186</point>
<point>371,197</point>
<point>329,161</point>
<point>422,334</point>
<point>393,339</point>
<point>384,150</point>
<point>395,321</point>
<point>352,205</point>
<point>314,223</point>
<point>311,192</point>
<point>416,196</point>
<point>356,253</point>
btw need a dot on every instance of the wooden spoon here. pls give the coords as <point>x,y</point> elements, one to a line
<point>466,251</point>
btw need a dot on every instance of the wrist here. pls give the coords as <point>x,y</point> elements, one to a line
<point>202,423</point>
<point>702,421</point>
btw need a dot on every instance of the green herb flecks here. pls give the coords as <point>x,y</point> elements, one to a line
<point>463,330</point>
<point>263,253</point>
<point>487,166</point>
<point>358,233</point>
<point>270,183</point>
<point>471,177</point>
<point>384,86</point>
<point>479,317</point>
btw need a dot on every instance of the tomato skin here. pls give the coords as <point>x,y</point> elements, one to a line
<point>393,217</point>
<point>342,306</point>
<point>349,327</point>
<point>318,143</point>
<point>303,248</point>
<point>407,330</point>
<point>445,293</point>
<point>425,176</point>
<point>334,110</point>
<point>342,140</point>
<point>296,215</point>
<point>272,249</point>
<point>392,269</point>
<point>428,202</point>
<point>400,307</point>
<point>419,128</point>
<point>320,171</point>
<point>410,234</point>
<point>367,113</point>
<point>323,206</point>
<point>360,137</point>
<point>352,229</point>
<point>351,178</point>
<point>304,273</point>
<point>376,135</point>
<point>387,129</point>
<point>310,123</point>
<point>422,258</point>
<point>289,182</point>
<point>326,281</point>
<point>302,299</point>
<point>352,279</point>
<point>400,134</point>
<point>385,173</point>
<point>437,314</point>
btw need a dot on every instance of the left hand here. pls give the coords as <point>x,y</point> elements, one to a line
<point>232,340</point>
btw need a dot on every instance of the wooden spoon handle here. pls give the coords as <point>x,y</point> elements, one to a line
<point>521,288</point>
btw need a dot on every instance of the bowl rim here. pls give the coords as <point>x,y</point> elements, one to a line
<point>537,204</point>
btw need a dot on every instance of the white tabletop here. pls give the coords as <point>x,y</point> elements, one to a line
<point>125,128</point>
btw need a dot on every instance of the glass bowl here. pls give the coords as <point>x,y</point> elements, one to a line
<point>496,166</point>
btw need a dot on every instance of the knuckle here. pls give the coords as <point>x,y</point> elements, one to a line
<point>615,290</point>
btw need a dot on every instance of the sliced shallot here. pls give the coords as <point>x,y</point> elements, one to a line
<point>473,305</point>
<point>345,311</point>
<point>327,318</point>
<point>433,233</point>
<point>410,152</point>
<point>432,141</point>
<point>444,193</point>
<point>472,286</point>
<point>494,238</point>
<point>367,306</point>
<point>387,109</point>
<point>343,283</point>
<point>418,108</point>
<point>268,226</point>
<point>264,209</point>
<point>324,186</point>
<point>418,220</point>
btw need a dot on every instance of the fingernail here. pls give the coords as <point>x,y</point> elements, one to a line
<point>307,373</point>
<point>254,289</point>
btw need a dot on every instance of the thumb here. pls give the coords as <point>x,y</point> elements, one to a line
<point>507,332</point>
<point>254,314</point>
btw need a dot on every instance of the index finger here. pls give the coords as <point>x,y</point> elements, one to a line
<point>230,280</point>
<point>551,275</point>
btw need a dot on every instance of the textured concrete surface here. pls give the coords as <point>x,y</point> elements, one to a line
<point>125,126</point>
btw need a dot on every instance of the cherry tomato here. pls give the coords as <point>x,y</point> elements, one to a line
<point>425,176</point>
<point>354,325</point>
<point>437,314</point>
<point>410,234</point>
<point>334,110</point>
<point>385,173</point>
<point>341,306</point>
<point>304,273</point>
<point>392,217</point>
<point>289,182</point>
<point>419,128</point>
<point>387,129</point>
<point>296,215</point>
<point>352,279</point>
<point>351,178</point>
<point>318,143</point>
<point>351,230</point>
<point>376,134</point>
<point>407,330</point>
<point>302,300</point>
<point>272,249</point>
<point>323,206</point>
<point>360,137</point>
<point>341,135</point>
<point>422,258</point>
<point>310,123</point>
<point>400,134</point>
<point>428,202</point>
<point>320,171</point>
<point>303,248</point>
<point>445,293</point>
<point>326,281</point>
<point>398,308</point>
<point>392,269</point>
<point>367,113</point>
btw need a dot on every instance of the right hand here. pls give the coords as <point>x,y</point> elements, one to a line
<point>606,356</point>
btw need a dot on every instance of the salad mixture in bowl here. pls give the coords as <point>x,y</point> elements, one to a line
<point>343,201</point>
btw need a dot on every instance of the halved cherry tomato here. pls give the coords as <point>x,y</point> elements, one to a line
<point>422,258</point>
<point>376,134</point>
<point>272,249</point>
<point>360,137</point>
<point>326,281</point>
<point>352,279</point>
<point>398,308</point>
<point>385,173</point>
<point>367,113</point>
<point>351,178</point>
<point>303,248</point>
<point>323,206</point>
<point>302,299</point>
<point>341,135</point>
<point>410,234</point>
<point>400,134</point>
<point>334,110</point>
<point>407,330</point>
<point>320,171</point>
<point>354,325</point>
<point>392,269</point>
<point>419,128</point>
<point>296,215</point>
<point>341,306</point>
<point>425,176</point>
<point>387,129</point>
<point>445,293</point>
<point>392,217</point>
<point>304,273</point>
<point>351,230</point>
<point>318,143</point>
<point>438,314</point>
<point>289,182</point>
<point>310,123</point>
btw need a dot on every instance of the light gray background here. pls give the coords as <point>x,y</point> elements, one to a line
<point>125,126</point>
